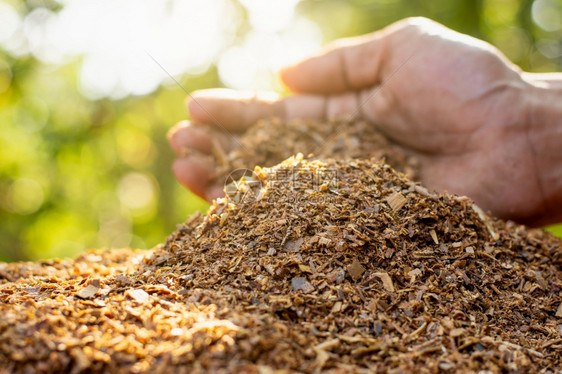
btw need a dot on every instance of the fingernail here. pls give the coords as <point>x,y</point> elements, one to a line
<point>174,129</point>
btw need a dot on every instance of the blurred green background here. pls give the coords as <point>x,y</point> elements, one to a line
<point>84,110</point>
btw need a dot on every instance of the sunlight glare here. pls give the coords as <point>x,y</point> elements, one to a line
<point>270,15</point>
<point>253,64</point>
<point>117,41</point>
<point>116,38</point>
<point>9,22</point>
<point>547,14</point>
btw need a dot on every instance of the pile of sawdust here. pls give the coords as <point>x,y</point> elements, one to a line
<point>309,265</point>
<point>269,142</point>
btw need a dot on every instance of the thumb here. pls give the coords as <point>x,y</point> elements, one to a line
<point>347,65</point>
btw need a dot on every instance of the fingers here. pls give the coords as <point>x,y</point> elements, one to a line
<point>233,111</point>
<point>351,64</point>
<point>194,168</point>
<point>195,173</point>
<point>187,136</point>
<point>551,80</point>
<point>357,63</point>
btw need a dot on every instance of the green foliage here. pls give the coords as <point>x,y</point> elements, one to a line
<point>556,230</point>
<point>77,174</point>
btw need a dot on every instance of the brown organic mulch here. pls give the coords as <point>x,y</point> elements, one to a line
<point>308,266</point>
<point>267,143</point>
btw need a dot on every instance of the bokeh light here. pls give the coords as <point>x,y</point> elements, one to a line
<point>548,14</point>
<point>253,64</point>
<point>24,196</point>
<point>138,193</point>
<point>9,22</point>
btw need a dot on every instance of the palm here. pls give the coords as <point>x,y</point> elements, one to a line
<point>446,100</point>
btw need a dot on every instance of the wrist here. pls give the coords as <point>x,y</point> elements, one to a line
<point>544,133</point>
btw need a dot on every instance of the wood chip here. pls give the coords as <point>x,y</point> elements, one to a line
<point>90,290</point>
<point>456,332</point>
<point>140,296</point>
<point>413,274</point>
<point>396,201</point>
<point>293,245</point>
<point>300,283</point>
<point>356,270</point>
<point>338,306</point>
<point>434,236</point>
<point>305,268</point>
<point>328,345</point>
<point>386,281</point>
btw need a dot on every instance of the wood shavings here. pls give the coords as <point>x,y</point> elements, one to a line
<point>319,274</point>
<point>484,217</point>
<point>261,145</point>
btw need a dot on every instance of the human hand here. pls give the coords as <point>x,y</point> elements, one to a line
<point>455,101</point>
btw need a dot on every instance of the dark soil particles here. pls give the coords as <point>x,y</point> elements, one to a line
<point>309,266</point>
